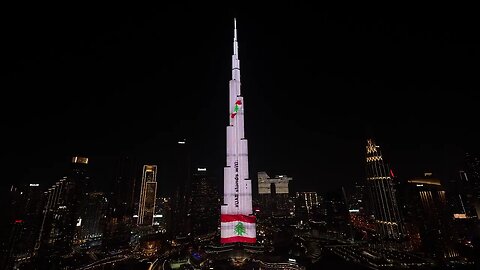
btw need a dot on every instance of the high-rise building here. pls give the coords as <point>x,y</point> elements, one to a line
<point>337,213</point>
<point>273,194</point>
<point>91,217</point>
<point>382,194</point>
<point>205,203</point>
<point>59,219</point>
<point>181,201</point>
<point>357,199</point>
<point>26,205</point>
<point>472,183</point>
<point>163,215</point>
<point>61,211</point>
<point>237,219</point>
<point>148,193</point>
<point>120,210</point>
<point>305,204</point>
<point>429,211</point>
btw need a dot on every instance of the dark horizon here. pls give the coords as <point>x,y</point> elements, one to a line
<point>109,81</point>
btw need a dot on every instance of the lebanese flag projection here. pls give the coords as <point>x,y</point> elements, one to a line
<point>238,228</point>
<point>238,103</point>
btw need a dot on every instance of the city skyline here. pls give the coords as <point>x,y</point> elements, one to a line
<point>140,121</point>
<point>422,127</point>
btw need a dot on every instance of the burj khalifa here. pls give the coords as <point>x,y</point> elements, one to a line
<point>237,219</point>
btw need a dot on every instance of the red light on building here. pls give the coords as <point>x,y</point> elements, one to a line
<point>18,221</point>
<point>391,173</point>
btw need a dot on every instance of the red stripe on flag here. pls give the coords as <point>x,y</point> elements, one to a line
<point>243,218</point>
<point>239,102</point>
<point>236,239</point>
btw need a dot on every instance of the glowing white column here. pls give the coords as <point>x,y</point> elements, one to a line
<point>237,219</point>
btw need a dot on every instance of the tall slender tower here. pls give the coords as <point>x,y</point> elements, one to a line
<point>237,219</point>
<point>148,193</point>
<point>382,194</point>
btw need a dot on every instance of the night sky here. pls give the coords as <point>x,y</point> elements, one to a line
<point>104,81</point>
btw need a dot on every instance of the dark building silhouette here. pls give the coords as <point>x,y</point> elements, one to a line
<point>61,215</point>
<point>163,215</point>
<point>306,204</point>
<point>120,209</point>
<point>428,210</point>
<point>472,184</point>
<point>91,217</point>
<point>357,198</point>
<point>382,194</point>
<point>182,178</point>
<point>26,205</point>
<point>336,213</point>
<point>205,202</point>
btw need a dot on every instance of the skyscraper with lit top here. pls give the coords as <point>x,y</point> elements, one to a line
<point>148,193</point>
<point>237,219</point>
<point>382,194</point>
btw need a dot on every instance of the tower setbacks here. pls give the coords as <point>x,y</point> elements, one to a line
<point>237,219</point>
<point>382,194</point>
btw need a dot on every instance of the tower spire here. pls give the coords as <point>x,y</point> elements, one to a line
<point>235,61</point>
<point>237,219</point>
<point>235,44</point>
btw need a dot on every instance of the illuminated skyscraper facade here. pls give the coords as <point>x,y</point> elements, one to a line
<point>382,194</point>
<point>148,194</point>
<point>237,219</point>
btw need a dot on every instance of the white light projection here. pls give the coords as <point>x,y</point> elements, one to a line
<point>237,219</point>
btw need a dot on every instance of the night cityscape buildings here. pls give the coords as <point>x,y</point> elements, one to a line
<point>148,192</point>
<point>205,202</point>
<point>110,211</point>
<point>181,201</point>
<point>237,219</point>
<point>430,212</point>
<point>120,205</point>
<point>382,194</point>
<point>274,194</point>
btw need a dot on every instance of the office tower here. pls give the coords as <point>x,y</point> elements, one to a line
<point>336,212</point>
<point>205,203</point>
<point>79,175</point>
<point>61,211</point>
<point>26,205</point>
<point>181,201</point>
<point>91,219</point>
<point>59,219</point>
<point>357,199</point>
<point>237,219</point>
<point>472,183</point>
<point>163,215</point>
<point>382,194</point>
<point>273,194</point>
<point>429,211</point>
<point>148,193</point>
<point>120,210</point>
<point>306,203</point>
